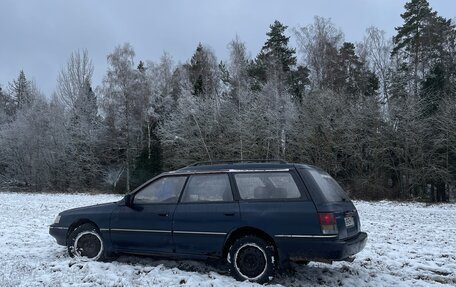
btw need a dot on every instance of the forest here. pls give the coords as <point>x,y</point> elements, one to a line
<point>378,115</point>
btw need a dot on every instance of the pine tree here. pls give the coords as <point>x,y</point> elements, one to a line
<point>21,90</point>
<point>354,79</point>
<point>410,35</point>
<point>275,50</point>
<point>141,67</point>
<point>276,57</point>
<point>277,81</point>
<point>414,39</point>
<point>299,81</point>
<point>425,45</point>
<point>202,71</point>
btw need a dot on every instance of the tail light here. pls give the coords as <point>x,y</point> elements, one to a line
<point>328,223</point>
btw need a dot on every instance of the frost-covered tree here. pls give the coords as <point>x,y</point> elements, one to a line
<point>74,94</point>
<point>319,43</point>
<point>124,103</point>
<point>423,67</point>
<point>73,78</point>
<point>186,133</point>
<point>33,147</point>
<point>202,72</point>
<point>84,130</point>
<point>194,129</point>
<point>6,107</point>
<point>378,49</point>
<point>277,62</point>
<point>161,77</point>
<point>22,91</point>
<point>236,111</point>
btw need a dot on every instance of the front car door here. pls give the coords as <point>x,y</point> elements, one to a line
<point>146,226</point>
<point>205,215</point>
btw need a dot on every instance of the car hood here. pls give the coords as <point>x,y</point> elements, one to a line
<point>97,208</point>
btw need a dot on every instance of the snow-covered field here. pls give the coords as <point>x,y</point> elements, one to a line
<point>410,244</point>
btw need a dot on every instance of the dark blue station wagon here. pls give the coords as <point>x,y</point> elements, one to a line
<point>255,216</point>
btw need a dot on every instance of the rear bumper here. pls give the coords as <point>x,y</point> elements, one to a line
<point>59,233</point>
<point>322,249</point>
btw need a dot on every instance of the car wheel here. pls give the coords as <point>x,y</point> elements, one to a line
<point>86,242</point>
<point>251,258</point>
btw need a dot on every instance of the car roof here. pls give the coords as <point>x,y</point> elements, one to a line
<point>237,166</point>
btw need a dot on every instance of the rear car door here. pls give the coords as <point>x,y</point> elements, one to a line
<point>146,226</point>
<point>205,214</point>
<point>276,202</point>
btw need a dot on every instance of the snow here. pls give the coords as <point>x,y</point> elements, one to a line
<point>409,244</point>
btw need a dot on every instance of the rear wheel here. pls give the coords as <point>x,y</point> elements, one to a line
<point>85,241</point>
<point>251,258</point>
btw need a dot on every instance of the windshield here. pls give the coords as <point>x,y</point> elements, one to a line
<point>332,191</point>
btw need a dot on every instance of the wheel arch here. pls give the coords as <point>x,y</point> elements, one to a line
<point>78,223</point>
<point>247,230</point>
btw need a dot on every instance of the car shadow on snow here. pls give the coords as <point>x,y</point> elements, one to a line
<point>295,275</point>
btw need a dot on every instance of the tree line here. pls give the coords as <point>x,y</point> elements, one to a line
<point>378,115</point>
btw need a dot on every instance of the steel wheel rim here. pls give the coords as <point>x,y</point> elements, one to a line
<point>250,261</point>
<point>89,245</point>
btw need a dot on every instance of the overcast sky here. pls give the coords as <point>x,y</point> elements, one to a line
<point>39,36</point>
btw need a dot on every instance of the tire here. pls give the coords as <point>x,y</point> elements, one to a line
<point>251,258</point>
<point>85,242</point>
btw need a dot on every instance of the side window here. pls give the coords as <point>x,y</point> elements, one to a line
<point>266,185</point>
<point>208,187</point>
<point>164,190</point>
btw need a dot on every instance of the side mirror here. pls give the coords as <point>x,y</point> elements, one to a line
<point>128,200</point>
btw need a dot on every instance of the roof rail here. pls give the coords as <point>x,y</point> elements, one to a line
<point>214,162</point>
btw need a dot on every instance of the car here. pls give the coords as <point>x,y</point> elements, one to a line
<point>255,216</point>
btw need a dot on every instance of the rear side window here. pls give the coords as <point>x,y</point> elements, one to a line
<point>331,190</point>
<point>209,187</point>
<point>267,185</point>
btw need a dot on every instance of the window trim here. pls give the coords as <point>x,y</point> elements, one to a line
<point>207,202</point>
<point>302,193</point>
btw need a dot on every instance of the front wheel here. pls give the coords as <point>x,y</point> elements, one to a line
<point>251,258</point>
<point>85,242</point>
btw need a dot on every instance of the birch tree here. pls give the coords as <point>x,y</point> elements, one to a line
<point>379,59</point>
<point>73,77</point>
<point>318,44</point>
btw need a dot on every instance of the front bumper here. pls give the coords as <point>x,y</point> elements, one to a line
<point>59,233</point>
<point>322,249</point>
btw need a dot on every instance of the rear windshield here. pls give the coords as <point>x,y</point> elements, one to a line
<point>332,191</point>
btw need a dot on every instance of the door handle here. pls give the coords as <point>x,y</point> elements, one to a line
<point>163,214</point>
<point>229,214</point>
